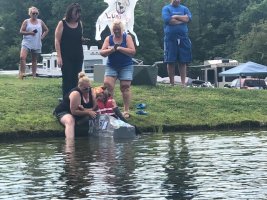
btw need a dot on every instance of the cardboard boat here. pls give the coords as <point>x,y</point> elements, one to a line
<point>108,126</point>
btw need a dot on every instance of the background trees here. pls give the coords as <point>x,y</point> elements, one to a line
<point>223,28</point>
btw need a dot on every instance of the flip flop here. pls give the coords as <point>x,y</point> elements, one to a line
<point>141,106</point>
<point>126,115</point>
<point>141,112</point>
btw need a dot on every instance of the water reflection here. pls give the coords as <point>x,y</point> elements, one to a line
<point>105,169</point>
<point>74,172</point>
<point>178,168</point>
<point>156,166</point>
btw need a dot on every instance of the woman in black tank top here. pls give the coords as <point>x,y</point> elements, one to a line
<point>68,44</point>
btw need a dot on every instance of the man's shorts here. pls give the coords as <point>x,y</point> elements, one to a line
<point>122,73</point>
<point>37,51</point>
<point>177,49</point>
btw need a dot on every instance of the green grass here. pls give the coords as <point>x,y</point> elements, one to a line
<point>26,107</point>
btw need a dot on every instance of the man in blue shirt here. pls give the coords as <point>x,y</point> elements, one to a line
<point>177,45</point>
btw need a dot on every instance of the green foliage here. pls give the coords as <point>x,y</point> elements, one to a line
<point>7,57</point>
<point>253,46</point>
<point>255,12</point>
<point>218,28</point>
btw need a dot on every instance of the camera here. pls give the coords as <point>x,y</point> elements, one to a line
<point>35,31</point>
<point>116,46</point>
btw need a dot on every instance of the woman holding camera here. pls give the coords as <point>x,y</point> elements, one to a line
<point>119,47</point>
<point>33,31</point>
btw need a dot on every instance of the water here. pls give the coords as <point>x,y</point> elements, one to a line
<point>156,166</point>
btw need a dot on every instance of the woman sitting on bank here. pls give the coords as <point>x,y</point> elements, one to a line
<point>80,102</point>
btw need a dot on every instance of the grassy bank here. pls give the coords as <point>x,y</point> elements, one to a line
<point>26,107</point>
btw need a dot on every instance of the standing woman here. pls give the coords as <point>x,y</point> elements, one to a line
<point>68,45</point>
<point>119,47</point>
<point>33,30</point>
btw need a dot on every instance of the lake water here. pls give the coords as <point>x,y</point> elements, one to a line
<point>153,166</point>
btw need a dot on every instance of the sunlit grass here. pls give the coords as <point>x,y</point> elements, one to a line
<point>26,106</point>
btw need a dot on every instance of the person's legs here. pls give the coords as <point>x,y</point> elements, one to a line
<point>171,72</point>
<point>34,64</point>
<point>70,71</point>
<point>109,82</point>
<point>65,78</point>
<point>182,71</point>
<point>185,57</point>
<point>126,94</point>
<point>69,122</point>
<point>126,76</point>
<point>77,68</point>
<point>23,56</point>
<point>110,79</point>
<point>170,55</point>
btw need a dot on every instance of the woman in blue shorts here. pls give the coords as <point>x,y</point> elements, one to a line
<point>119,47</point>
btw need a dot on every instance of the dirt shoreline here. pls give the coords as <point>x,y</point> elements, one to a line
<point>82,131</point>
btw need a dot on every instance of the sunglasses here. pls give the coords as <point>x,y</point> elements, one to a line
<point>35,13</point>
<point>86,89</point>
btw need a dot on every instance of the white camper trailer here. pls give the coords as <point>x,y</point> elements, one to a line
<point>92,56</point>
<point>49,66</point>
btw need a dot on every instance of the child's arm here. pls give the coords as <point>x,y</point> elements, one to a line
<point>119,114</point>
<point>114,104</point>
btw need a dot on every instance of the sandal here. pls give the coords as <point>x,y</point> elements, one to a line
<point>126,115</point>
<point>141,112</point>
<point>141,106</point>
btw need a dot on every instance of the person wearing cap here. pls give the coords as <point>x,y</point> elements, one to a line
<point>34,31</point>
<point>177,45</point>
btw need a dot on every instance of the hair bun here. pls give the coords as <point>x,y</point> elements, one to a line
<point>81,75</point>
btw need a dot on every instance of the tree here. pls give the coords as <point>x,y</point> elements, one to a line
<point>253,45</point>
<point>218,28</point>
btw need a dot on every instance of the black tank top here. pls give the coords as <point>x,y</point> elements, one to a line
<point>71,42</point>
<point>64,106</point>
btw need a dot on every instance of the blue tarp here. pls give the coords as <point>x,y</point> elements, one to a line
<point>246,69</point>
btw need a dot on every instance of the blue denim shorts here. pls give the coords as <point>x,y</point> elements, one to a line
<point>122,73</point>
<point>31,50</point>
<point>177,49</point>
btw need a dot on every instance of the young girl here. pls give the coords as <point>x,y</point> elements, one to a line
<point>106,104</point>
